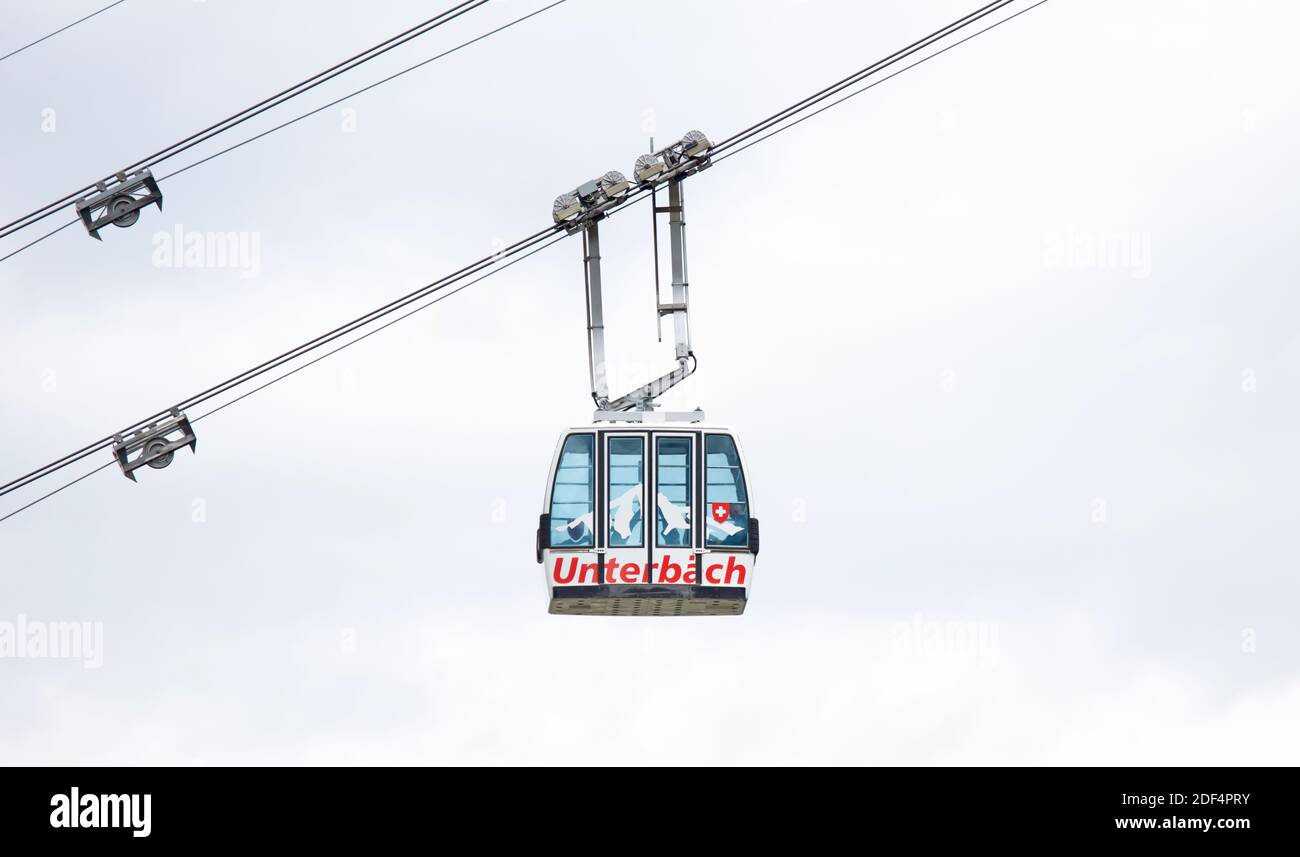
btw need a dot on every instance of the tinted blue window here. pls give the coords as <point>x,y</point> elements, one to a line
<point>673,476</point>
<point>726,508</point>
<point>626,477</point>
<point>573,497</point>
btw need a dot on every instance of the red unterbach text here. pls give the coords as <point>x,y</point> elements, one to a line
<point>571,570</point>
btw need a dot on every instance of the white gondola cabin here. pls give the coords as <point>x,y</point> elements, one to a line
<point>603,553</point>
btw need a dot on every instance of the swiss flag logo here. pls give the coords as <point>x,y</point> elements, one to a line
<point>721,512</point>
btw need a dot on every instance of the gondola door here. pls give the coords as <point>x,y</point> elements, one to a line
<point>623,507</point>
<point>673,541</point>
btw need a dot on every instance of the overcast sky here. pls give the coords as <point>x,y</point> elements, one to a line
<point>1010,342</point>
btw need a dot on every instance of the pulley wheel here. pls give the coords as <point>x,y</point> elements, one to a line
<point>119,208</point>
<point>162,461</point>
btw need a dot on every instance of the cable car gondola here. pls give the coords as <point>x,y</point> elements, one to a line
<point>604,553</point>
<point>602,548</point>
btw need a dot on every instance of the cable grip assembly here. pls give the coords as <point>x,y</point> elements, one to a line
<point>157,444</point>
<point>118,203</point>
